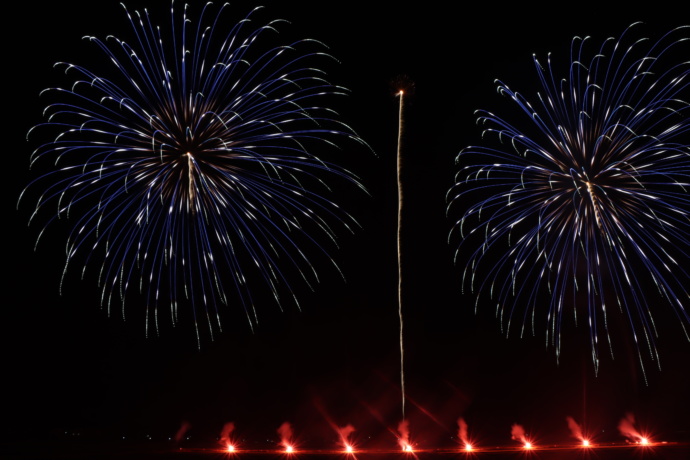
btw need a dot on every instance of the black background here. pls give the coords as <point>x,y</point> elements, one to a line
<point>70,370</point>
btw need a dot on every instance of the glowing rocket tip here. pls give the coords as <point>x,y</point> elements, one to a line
<point>585,443</point>
<point>231,448</point>
<point>528,445</point>
<point>407,448</point>
<point>468,447</point>
<point>644,441</point>
<point>289,449</point>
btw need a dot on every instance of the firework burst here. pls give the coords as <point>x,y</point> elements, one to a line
<point>582,205</point>
<point>195,164</point>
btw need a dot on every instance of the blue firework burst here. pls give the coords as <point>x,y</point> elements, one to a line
<point>195,164</point>
<point>581,202</point>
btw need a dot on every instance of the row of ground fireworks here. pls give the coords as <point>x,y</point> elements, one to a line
<point>347,443</point>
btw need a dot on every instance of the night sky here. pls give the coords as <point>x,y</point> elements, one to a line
<point>69,368</point>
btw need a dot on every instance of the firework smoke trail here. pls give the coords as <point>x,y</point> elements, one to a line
<point>344,433</point>
<point>400,208</point>
<point>182,431</point>
<point>462,432</point>
<point>517,433</point>
<point>286,436</point>
<point>588,191</point>
<point>575,429</point>
<point>225,433</point>
<point>189,168</point>
<point>404,435</point>
<point>626,427</point>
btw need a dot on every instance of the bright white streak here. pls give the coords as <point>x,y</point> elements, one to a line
<point>400,196</point>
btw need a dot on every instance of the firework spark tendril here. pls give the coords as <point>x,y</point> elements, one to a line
<point>585,198</point>
<point>400,208</point>
<point>190,166</point>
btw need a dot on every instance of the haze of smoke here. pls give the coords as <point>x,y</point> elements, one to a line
<point>517,432</point>
<point>404,431</point>
<point>345,433</point>
<point>285,432</point>
<point>184,427</point>
<point>627,427</point>
<point>575,429</point>
<point>225,433</point>
<point>462,430</point>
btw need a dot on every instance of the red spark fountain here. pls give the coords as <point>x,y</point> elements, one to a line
<point>404,439</point>
<point>285,432</point>
<point>345,433</point>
